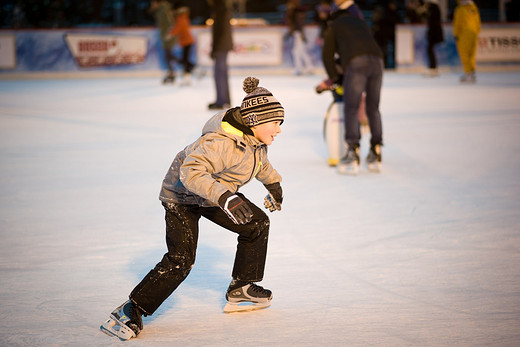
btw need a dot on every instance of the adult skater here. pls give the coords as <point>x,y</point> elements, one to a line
<point>221,45</point>
<point>361,62</point>
<point>162,12</point>
<point>466,27</point>
<point>434,35</point>
<point>203,181</point>
<point>296,13</point>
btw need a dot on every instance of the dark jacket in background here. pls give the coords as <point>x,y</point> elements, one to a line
<point>350,37</point>
<point>435,33</point>
<point>222,38</point>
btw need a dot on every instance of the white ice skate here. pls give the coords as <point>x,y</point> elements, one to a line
<point>374,159</point>
<point>245,306</point>
<point>349,165</point>
<point>114,327</point>
<point>125,322</point>
<point>248,297</point>
<point>469,77</point>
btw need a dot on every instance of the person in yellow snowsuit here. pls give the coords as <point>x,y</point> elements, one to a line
<point>466,27</point>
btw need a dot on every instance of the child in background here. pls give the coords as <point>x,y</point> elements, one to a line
<point>182,29</point>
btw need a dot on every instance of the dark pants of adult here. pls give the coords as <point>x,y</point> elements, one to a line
<point>169,58</point>
<point>432,59</point>
<point>221,78</point>
<point>182,232</point>
<point>363,74</point>
<point>186,63</point>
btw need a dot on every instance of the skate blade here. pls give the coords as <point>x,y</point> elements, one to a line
<point>107,331</point>
<point>113,327</point>
<point>348,169</point>
<point>245,306</point>
<point>374,167</point>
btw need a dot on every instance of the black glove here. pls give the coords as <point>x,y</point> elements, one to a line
<point>273,200</point>
<point>236,208</point>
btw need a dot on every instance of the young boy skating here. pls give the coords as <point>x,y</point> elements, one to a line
<point>203,181</point>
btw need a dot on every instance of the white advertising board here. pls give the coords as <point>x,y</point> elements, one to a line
<point>7,52</point>
<point>91,50</point>
<point>404,50</point>
<point>499,44</point>
<point>260,47</point>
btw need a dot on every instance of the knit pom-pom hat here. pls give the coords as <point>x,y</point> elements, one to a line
<point>259,106</point>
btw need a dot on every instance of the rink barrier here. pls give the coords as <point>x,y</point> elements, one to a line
<point>266,49</point>
<point>498,47</point>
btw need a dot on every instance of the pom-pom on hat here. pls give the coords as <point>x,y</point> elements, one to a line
<point>259,106</point>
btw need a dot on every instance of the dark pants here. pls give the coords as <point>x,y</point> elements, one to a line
<point>186,63</point>
<point>432,59</point>
<point>182,232</point>
<point>363,74</point>
<point>169,58</point>
<point>221,78</point>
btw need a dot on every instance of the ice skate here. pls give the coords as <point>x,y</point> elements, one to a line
<point>198,72</point>
<point>125,322</point>
<point>169,78</point>
<point>468,78</point>
<point>246,297</point>
<point>186,79</point>
<point>433,72</point>
<point>349,164</point>
<point>374,159</point>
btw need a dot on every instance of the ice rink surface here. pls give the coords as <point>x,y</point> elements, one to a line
<point>427,253</point>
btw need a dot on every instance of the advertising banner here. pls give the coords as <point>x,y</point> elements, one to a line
<point>251,48</point>
<point>499,44</point>
<point>7,52</point>
<point>91,50</point>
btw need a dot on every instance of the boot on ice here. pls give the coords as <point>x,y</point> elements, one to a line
<point>374,159</point>
<point>125,322</point>
<point>246,296</point>
<point>349,164</point>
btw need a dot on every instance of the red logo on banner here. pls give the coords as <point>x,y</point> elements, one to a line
<point>106,50</point>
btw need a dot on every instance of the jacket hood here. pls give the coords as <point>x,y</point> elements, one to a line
<point>214,124</point>
<point>235,127</point>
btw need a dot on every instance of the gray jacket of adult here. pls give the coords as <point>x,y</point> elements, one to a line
<point>165,22</point>
<point>223,158</point>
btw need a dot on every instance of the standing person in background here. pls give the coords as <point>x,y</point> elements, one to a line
<point>162,12</point>
<point>415,12</point>
<point>222,43</point>
<point>384,31</point>
<point>434,35</point>
<point>361,62</point>
<point>344,7</point>
<point>182,29</point>
<point>350,7</point>
<point>466,27</point>
<point>323,11</point>
<point>296,20</point>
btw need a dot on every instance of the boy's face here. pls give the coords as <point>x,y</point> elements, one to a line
<point>266,132</point>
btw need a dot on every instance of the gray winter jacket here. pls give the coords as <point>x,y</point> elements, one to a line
<point>223,158</point>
